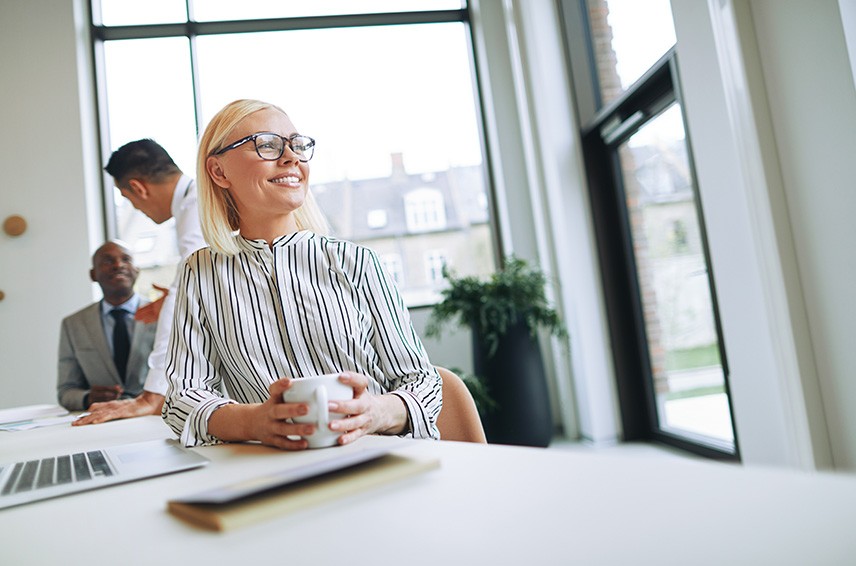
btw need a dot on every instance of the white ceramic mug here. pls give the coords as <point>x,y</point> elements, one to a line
<point>316,391</point>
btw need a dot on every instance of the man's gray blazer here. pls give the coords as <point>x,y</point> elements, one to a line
<point>85,359</point>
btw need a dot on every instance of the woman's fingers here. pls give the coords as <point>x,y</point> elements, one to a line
<point>357,381</point>
<point>277,388</point>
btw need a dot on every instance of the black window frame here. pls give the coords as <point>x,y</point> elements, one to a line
<point>604,129</point>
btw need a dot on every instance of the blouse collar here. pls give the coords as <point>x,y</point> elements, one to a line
<point>280,242</point>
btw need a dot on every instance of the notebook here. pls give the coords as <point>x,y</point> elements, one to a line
<point>263,497</point>
<point>64,474</point>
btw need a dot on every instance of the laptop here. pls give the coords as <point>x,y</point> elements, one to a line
<point>35,480</point>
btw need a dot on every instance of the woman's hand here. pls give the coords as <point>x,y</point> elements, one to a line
<point>266,422</point>
<point>367,413</point>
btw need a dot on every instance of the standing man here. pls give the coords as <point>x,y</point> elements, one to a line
<point>148,177</point>
<point>103,352</point>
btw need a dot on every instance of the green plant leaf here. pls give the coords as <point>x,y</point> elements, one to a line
<point>515,293</point>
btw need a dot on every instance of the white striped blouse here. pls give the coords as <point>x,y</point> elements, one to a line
<point>310,305</point>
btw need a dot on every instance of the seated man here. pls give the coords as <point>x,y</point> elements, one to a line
<point>103,352</point>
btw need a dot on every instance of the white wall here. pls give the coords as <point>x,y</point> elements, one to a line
<point>812,104</point>
<point>771,114</point>
<point>46,175</point>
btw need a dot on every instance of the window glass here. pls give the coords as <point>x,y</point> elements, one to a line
<point>210,10</point>
<point>425,210</point>
<point>683,345</point>
<point>628,37</point>
<point>392,264</point>
<point>393,111</point>
<point>375,99</point>
<point>124,13</point>
<point>150,95</point>
<point>376,218</point>
<point>434,262</point>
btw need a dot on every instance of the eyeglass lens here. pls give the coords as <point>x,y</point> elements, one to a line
<point>272,146</point>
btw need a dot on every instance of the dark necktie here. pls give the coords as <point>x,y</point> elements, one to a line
<point>121,341</point>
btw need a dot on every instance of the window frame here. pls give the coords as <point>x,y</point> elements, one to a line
<point>191,30</point>
<point>603,129</point>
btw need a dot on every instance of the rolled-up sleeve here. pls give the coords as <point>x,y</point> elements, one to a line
<point>401,353</point>
<point>194,382</point>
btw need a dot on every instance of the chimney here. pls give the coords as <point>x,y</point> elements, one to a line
<point>398,172</point>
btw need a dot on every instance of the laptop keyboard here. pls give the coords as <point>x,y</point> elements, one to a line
<point>35,474</point>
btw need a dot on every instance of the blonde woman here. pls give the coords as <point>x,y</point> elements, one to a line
<point>274,299</point>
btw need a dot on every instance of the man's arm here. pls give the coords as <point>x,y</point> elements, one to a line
<point>147,403</point>
<point>71,384</point>
<point>150,401</point>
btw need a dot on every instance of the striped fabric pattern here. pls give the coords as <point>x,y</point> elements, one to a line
<point>310,305</point>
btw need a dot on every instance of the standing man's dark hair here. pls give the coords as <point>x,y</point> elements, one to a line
<point>144,159</point>
<point>146,175</point>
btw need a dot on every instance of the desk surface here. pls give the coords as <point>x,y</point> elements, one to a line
<point>485,505</point>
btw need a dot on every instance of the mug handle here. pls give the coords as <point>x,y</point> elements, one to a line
<point>322,409</point>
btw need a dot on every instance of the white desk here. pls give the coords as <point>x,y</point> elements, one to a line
<point>486,505</point>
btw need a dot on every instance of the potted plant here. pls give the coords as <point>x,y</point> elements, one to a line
<point>504,314</point>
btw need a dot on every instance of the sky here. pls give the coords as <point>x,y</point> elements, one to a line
<point>642,30</point>
<point>362,93</point>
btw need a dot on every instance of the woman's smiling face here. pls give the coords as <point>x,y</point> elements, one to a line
<point>266,193</point>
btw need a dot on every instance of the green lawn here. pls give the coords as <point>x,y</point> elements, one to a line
<point>700,356</point>
<point>698,392</point>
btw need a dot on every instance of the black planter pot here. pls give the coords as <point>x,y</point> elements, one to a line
<point>517,382</point>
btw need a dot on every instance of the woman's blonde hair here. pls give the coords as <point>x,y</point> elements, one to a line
<point>218,214</point>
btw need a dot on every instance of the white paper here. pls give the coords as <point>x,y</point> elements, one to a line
<point>29,413</point>
<point>37,423</point>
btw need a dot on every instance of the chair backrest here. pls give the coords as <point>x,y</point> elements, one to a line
<point>459,418</point>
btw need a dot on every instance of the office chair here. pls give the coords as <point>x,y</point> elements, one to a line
<point>459,418</point>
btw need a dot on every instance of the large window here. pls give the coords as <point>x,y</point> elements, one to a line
<point>661,303</point>
<point>389,96</point>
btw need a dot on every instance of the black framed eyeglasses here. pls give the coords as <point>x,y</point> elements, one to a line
<point>270,146</point>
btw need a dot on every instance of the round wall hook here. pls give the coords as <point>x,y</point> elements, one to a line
<point>15,225</point>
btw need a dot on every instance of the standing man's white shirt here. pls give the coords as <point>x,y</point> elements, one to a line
<point>189,238</point>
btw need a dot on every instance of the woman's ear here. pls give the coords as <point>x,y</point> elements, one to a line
<point>215,171</point>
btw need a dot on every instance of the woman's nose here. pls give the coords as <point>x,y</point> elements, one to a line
<point>288,154</point>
